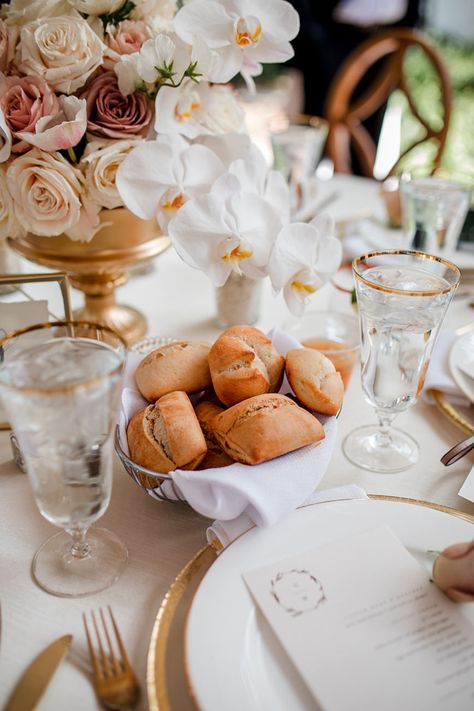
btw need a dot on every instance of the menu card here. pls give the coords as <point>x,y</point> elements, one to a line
<point>467,489</point>
<point>366,628</point>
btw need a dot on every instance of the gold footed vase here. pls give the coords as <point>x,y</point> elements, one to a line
<point>98,267</point>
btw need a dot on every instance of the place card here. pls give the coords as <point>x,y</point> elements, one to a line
<point>467,489</point>
<point>366,628</point>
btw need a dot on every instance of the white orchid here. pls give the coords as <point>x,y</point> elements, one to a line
<point>225,231</point>
<point>304,258</point>
<point>158,177</point>
<point>193,109</point>
<point>240,33</point>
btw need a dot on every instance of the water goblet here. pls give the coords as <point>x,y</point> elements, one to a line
<point>433,212</point>
<point>402,298</point>
<point>60,384</point>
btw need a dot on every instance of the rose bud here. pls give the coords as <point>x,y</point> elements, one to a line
<point>453,571</point>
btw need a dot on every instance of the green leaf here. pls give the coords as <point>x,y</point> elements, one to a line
<point>114,18</point>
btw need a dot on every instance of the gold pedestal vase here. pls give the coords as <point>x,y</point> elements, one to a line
<point>98,267</point>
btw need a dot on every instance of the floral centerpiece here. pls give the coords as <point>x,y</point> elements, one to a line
<point>110,103</point>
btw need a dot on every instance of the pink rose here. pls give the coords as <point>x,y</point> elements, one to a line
<point>125,38</point>
<point>8,40</point>
<point>24,101</point>
<point>62,130</point>
<point>112,114</point>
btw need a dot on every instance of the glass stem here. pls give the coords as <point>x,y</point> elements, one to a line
<point>383,436</point>
<point>80,548</point>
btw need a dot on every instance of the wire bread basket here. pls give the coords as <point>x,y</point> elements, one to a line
<point>159,486</point>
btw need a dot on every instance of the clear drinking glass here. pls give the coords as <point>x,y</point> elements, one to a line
<point>60,383</point>
<point>433,213</point>
<point>298,146</point>
<point>402,299</point>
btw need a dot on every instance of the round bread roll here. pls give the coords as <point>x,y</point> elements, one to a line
<point>244,363</point>
<point>264,427</point>
<point>315,381</point>
<point>215,457</point>
<point>177,366</point>
<point>167,435</point>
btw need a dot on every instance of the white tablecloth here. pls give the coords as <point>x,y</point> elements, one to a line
<point>161,537</point>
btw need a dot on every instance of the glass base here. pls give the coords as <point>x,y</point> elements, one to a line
<point>58,572</point>
<point>365,448</point>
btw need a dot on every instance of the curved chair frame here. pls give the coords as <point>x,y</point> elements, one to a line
<point>345,115</point>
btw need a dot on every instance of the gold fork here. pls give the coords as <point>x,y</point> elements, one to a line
<point>115,681</point>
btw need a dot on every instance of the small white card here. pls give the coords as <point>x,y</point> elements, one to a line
<point>366,629</point>
<point>467,489</point>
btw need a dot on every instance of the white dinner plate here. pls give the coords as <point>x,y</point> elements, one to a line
<point>462,351</point>
<point>233,660</point>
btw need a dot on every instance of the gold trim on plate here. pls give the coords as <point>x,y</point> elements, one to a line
<point>451,412</point>
<point>159,693</point>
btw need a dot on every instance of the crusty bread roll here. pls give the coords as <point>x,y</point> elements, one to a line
<point>314,380</point>
<point>264,427</point>
<point>215,457</point>
<point>177,366</point>
<point>167,435</point>
<point>244,363</point>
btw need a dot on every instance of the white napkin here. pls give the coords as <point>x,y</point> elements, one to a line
<point>265,492</point>
<point>438,376</point>
<point>222,533</point>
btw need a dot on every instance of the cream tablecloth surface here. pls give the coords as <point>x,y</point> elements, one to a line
<point>162,537</point>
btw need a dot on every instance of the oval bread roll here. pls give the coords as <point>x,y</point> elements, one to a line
<point>177,366</point>
<point>167,435</point>
<point>264,427</point>
<point>206,411</point>
<point>244,363</point>
<point>314,380</point>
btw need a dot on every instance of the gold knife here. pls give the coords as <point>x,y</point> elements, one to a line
<point>32,685</point>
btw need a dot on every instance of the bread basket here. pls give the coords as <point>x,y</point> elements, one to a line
<point>159,486</point>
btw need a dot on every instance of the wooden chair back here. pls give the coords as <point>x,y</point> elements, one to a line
<point>346,114</point>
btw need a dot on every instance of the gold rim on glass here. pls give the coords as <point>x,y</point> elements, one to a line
<point>423,256</point>
<point>159,697</point>
<point>72,325</point>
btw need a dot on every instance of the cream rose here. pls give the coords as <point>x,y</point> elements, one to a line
<point>48,194</point>
<point>64,50</point>
<point>219,111</point>
<point>96,7</point>
<point>100,164</point>
<point>9,225</point>
<point>19,12</point>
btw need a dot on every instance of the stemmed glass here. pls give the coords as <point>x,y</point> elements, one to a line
<point>59,383</point>
<point>402,298</point>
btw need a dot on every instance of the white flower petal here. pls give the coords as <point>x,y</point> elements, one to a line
<point>201,167</point>
<point>5,139</point>
<point>143,177</point>
<point>296,305</point>
<point>208,20</point>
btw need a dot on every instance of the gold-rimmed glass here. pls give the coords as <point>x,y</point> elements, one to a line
<point>60,383</point>
<point>402,298</point>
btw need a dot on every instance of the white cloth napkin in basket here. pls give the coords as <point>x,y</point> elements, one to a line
<point>264,492</point>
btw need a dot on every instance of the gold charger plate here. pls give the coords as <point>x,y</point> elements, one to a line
<point>462,417</point>
<point>167,685</point>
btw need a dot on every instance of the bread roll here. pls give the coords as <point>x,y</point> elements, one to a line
<point>314,380</point>
<point>264,427</point>
<point>177,366</point>
<point>167,435</point>
<point>215,457</point>
<point>244,363</point>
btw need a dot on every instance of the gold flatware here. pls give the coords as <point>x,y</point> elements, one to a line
<point>115,681</point>
<point>32,685</point>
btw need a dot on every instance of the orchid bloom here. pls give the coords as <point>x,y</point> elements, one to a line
<point>158,177</point>
<point>239,33</point>
<point>5,139</point>
<point>62,130</point>
<point>304,258</point>
<point>225,231</point>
